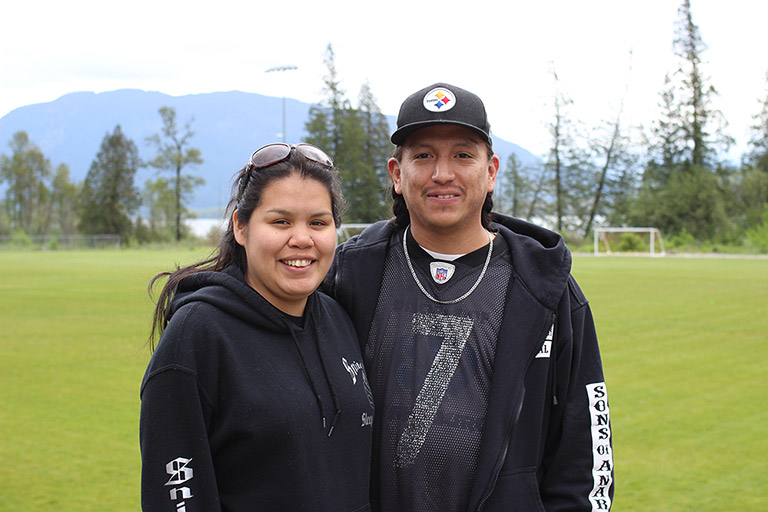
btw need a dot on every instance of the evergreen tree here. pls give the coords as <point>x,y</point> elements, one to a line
<point>757,156</point>
<point>373,176</point>
<point>691,202</point>
<point>317,127</point>
<point>109,197</point>
<point>350,159</point>
<point>705,125</point>
<point>687,139</point>
<point>174,155</point>
<point>667,150</point>
<point>514,190</point>
<point>751,190</point>
<point>691,131</point>
<point>357,141</point>
<point>325,124</point>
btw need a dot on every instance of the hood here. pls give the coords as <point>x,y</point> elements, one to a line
<point>228,291</point>
<point>540,258</point>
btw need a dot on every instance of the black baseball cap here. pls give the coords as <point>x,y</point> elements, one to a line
<point>441,103</point>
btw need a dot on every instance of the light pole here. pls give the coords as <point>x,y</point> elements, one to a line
<point>282,68</point>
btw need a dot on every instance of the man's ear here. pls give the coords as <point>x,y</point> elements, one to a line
<point>493,171</point>
<point>394,172</point>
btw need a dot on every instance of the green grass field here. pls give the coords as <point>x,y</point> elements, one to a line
<point>684,344</point>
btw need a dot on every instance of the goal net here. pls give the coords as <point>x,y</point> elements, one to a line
<point>629,240</point>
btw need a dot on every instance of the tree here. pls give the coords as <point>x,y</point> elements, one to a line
<point>615,176</point>
<point>752,187</point>
<point>568,165</point>
<point>326,120</point>
<point>692,202</point>
<point>667,149</point>
<point>109,197</point>
<point>757,156</point>
<point>688,139</point>
<point>540,182</point>
<point>373,176</point>
<point>515,189</point>
<point>358,142</point>
<point>555,162</point>
<point>690,132</point>
<point>159,197</point>
<point>62,212</point>
<point>25,173</point>
<point>174,155</point>
<point>622,188</point>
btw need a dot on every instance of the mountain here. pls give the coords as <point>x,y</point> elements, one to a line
<point>227,126</point>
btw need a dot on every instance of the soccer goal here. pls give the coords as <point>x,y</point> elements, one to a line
<point>605,235</point>
<point>345,231</point>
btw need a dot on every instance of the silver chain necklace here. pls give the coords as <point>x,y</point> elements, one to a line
<point>425,292</point>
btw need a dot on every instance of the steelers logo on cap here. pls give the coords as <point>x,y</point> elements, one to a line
<point>439,99</point>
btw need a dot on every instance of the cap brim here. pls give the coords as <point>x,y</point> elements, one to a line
<point>399,135</point>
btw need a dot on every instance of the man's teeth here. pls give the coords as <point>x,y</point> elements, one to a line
<point>298,263</point>
<point>445,196</point>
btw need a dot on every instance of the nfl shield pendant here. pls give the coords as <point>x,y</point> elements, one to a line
<point>441,271</point>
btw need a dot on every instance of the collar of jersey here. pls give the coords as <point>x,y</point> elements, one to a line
<point>473,259</point>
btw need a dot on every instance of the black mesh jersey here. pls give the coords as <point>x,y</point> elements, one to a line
<point>430,368</point>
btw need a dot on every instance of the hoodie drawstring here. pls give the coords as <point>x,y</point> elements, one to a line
<point>335,397</point>
<point>312,383</point>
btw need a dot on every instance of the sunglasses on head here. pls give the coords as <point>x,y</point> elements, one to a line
<point>277,152</point>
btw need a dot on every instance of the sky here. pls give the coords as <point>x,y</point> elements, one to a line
<point>606,53</point>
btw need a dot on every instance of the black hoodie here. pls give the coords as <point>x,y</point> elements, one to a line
<point>243,408</point>
<point>546,440</point>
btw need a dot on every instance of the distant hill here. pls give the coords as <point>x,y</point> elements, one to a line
<point>228,127</point>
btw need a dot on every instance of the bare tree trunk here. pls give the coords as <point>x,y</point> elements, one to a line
<point>178,203</point>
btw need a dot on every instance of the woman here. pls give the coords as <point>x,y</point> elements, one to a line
<point>255,397</point>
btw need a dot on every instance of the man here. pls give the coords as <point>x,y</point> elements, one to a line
<point>479,345</point>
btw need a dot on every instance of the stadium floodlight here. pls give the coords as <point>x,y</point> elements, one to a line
<point>282,68</point>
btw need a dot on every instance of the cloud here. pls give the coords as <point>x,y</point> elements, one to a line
<point>503,52</point>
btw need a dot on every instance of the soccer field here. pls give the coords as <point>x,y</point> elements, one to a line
<point>683,343</point>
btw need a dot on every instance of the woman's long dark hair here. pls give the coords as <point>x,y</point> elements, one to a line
<point>229,252</point>
<point>400,209</point>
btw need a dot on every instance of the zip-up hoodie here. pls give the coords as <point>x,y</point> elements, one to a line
<point>243,408</point>
<point>546,440</point>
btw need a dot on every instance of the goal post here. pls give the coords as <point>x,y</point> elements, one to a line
<point>655,243</point>
<point>345,231</point>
